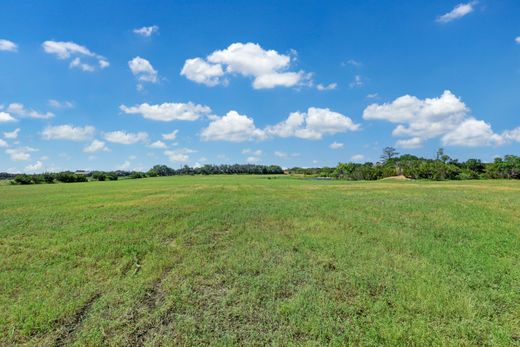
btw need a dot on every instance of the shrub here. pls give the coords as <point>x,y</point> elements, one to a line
<point>23,179</point>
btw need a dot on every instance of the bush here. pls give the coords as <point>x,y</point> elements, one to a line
<point>137,175</point>
<point>48,177</point>
<point>23,179</point>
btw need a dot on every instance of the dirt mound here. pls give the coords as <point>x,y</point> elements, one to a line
<point>399,177</point>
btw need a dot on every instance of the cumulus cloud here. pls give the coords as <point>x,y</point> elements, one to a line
<point>472,133</point>
<point>232,127</point>
<point>200,71</point>
<point>74,52</point>
<point>21,111</point>
<point>6,117</point>
<point>512,135</point>
<point>125,138</point>
<point>34,167</point>
<point>167,112</point>
<point>517,40</point>
<point>143,70</point>
<point>446,117</point>
<point>146,31</point>
<point>336,145</point>
<point>170,136</point>
<point>268,68</point>
<point>68,132</point>
<point>330,86</point>
<point>61,104</point>
<point>181,155</point>
<point>313,124</point>
<point>3,143</point>
<point>12,134</point>
<point>414,142</point>
<point>20,154</point>
<point>158,145</point>
<point>458,11</point>
<point>8,46</point>
<point>96,146</point>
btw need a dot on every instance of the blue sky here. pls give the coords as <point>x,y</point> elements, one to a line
<point>126,85</point>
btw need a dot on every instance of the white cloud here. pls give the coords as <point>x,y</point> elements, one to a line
<point>232,127</point>
<point>143,70</point>
<point>268,68</point>
<point>256,153</point>
<point>61,104</point>
<point>253,160</point>
<point>357,82</point>
<point>458,11</point>
<point>34,167</point>
<point>517,40</point>
<point>76,62</point>
<point>96,146</point>
<point>147,31</point>
<point>336,145</point>
<point>372,96</point>
<point>125,138</point>
<point>158,144</point>
<point>12,134</point>
<point>70,50</point>
<point>472,133</point>
<point>124,166</point>
<point>353,62</point>
<point>167,112</point>
<point>414,142</point>
<point>8,46</point>
<point>180,155</point>
<point>20,154</point>
<point>3,143</point>
<point>6,117</point>
<point>170,136</point>
<point>512,135</point>
<point>280,154</point>
<point>21,111</point>
<point>446,116</point>
<point>313,124</point>
<point>200,71</point>
<point>68,132</point>
<point>358,158</point>
<point>322,87</point>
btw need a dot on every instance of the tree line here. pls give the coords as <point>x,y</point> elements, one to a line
<point>391,163</point>
<point>442,167</point>
<point>157,170</point>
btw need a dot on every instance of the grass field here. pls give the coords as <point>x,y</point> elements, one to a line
<point>246,260</point>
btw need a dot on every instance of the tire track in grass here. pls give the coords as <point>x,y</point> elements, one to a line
<point>68,331</point>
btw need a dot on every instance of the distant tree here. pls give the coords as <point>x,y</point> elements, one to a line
<point>388,154</point>
<point>441,156</point>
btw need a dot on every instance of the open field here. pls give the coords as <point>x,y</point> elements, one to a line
<point>247,260</point>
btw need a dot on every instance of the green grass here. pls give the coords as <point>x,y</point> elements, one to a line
<point>246,260</point>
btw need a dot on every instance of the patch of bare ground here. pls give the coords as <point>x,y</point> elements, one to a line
<point>396,178</point>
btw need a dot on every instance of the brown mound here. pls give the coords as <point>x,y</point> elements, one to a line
<point>399,177</point>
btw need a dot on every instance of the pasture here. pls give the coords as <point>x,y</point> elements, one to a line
<point>252,260</point>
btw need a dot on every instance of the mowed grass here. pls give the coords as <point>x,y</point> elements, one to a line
<point>246,260</point>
